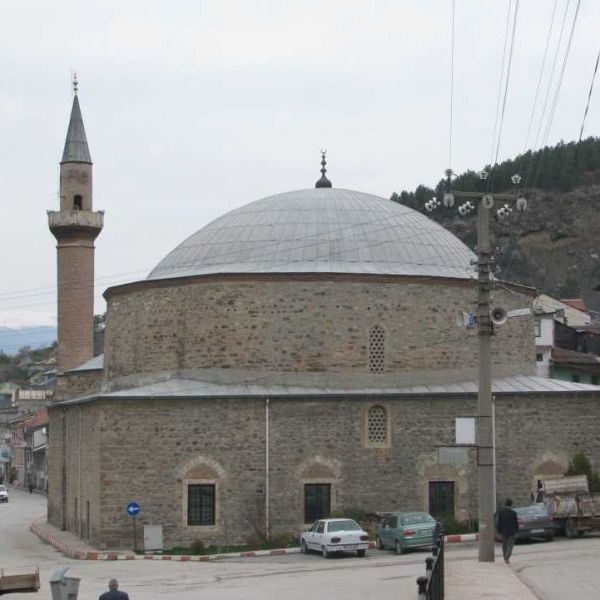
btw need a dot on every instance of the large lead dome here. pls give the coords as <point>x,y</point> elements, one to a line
<point>326,230</point>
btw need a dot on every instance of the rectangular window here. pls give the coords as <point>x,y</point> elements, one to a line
<point>537,327</point>
<point>441,499</point>
<point>317,501</point>
<point>465,430</point>
<point>539,357</point>
<point>201,504</point>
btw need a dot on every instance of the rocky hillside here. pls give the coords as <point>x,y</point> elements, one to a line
<point>554,245</point>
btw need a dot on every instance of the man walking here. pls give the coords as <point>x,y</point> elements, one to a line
<point>507,526</point>
<point>113,592</point>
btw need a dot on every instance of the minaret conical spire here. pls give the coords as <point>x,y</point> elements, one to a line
<point>76,146</point>
<point>323,182</point>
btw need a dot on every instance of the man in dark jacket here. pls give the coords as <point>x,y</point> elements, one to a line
<point>507,525</point>
<point>113,592</point>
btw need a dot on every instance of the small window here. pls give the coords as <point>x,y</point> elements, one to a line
<point>77,202</point>
<point>537,325</point>
<point>377,426</point>
<point>201,504</point>
<point>539,357</point>
<point>575,378</point>
<point>317,501</point>
<point>376,349</point>
<point>594,380</point>
<point>465,430</point>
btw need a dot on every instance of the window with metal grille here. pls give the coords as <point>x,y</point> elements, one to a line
<point>377,425</point>
<point>376,349</point>
<point>317,501</point>
<point>201,504</point>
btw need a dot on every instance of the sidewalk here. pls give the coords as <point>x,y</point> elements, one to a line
<point>473,580</point>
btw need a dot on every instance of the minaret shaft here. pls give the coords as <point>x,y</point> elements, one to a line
<point>75,227</point>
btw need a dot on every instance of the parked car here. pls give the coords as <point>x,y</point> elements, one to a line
<point>3,493</point>
<point>335,535</point>
<point>403,530</point>
<point>534,522</point>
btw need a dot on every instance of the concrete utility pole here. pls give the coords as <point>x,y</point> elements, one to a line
<point>485,426</point>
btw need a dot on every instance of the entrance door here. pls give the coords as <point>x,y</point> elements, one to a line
<point>441,499</point>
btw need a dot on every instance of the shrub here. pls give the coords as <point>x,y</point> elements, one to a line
<point>197,546</point>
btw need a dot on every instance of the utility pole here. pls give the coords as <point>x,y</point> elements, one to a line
<point>484,436</point>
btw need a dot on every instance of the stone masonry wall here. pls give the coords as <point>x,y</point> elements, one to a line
<point>78,383</point>
<point>74,429</point>
<point>149,450</point>
<point>306,325</point>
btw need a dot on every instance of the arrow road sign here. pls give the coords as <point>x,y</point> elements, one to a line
<point>133,509</point>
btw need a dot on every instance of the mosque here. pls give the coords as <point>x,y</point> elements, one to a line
<point>299,356</point>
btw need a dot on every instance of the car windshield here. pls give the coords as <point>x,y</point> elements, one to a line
<point>417,519</point>
<point>2,488</point>
<point>530,511</point>
<point>345,525</point>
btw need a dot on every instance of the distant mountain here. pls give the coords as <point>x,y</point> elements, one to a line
<point>14,338</point>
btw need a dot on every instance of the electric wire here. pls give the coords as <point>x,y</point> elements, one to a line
<point>542,117</point>
<point>303,241</point>
<point>500,81</point>
<point>505,95</point>
<point>587,106</point>
<point>540,77</point>
<point>557,93</point>
<point>451,86</point>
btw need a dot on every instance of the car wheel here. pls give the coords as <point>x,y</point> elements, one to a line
<point>324,552</point>
<point>303,547</point>
<point>399,548</point>
<point>379,543</point>
<point>361,553</point>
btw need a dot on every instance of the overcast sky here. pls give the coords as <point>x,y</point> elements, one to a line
<point>195,108</point>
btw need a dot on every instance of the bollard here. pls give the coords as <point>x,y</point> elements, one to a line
<point>429,566</point>
<point>421,588</point>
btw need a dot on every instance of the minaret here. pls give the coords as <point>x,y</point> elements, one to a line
<point>75,227</point>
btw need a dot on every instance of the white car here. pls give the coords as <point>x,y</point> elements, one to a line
<point>3,493</point>
<point>334,535</point>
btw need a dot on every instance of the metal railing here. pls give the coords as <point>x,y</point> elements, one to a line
<point>431,586</point>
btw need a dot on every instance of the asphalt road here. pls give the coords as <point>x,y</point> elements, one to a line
<point>559,570</point>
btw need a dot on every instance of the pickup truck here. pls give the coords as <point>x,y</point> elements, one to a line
<point>574,509</point>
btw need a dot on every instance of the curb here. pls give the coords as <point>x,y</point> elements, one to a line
<point>70,552</point>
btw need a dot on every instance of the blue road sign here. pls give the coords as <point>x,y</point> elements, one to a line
<point>133,509</point>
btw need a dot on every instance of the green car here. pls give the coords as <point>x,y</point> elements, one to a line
<point>404,530</point>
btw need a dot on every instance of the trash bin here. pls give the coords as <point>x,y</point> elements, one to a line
<point>64,588</point>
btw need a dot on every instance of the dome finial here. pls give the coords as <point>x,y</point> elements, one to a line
<point>323,182</point>
<point>75,83</point>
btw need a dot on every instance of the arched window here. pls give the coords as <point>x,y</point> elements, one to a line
<point>77,202</point>
<point>376,349</point>
<point>377,426</point>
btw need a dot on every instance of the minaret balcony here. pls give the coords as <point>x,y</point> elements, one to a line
<point>57,219</point>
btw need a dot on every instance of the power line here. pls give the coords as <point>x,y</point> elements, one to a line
<point>557,93</point>
<point>451,88</point>
<point>587,106</point>
<point>506,30</point>
<point>539,82</point>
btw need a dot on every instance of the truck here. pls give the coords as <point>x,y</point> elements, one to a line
<point>574,509</point>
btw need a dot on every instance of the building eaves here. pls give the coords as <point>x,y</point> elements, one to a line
<point>181,388</point>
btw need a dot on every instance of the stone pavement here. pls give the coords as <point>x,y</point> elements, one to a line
<point>473,580</point>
